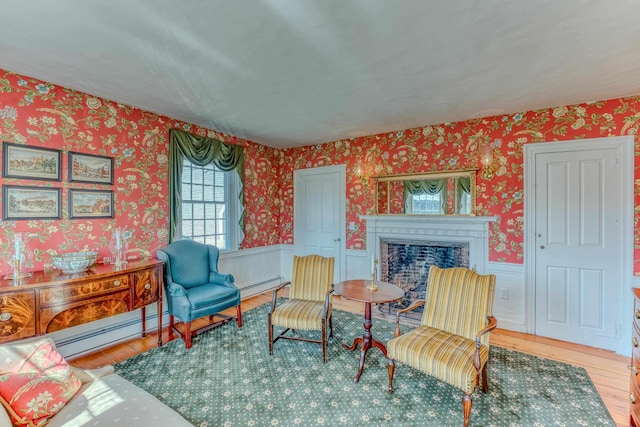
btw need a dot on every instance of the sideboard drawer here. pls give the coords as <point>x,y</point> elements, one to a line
<point>64,316</point>
<point>145,287</point>
<point>80,291</point>
<point>17,315</point>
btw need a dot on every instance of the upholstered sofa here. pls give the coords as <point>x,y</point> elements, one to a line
<point>103,398</point>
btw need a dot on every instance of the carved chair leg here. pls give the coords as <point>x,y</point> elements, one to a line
<point>466,408</point>
<point>239,316</point>
<point>270,328</point>
<point>171,322</point>
<point>485,380</point>
<point>324,341</point>
<point>187,334</point>
<point>391,367</point>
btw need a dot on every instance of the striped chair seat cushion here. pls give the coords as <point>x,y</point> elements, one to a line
<point>299,314</point>
<point>438,353</point>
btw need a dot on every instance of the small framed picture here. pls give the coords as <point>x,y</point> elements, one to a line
<point>90,168</point>
<point>30,202</point>
<point>90,203</point>
<point>23,161</point>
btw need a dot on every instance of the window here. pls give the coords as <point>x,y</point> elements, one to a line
<point>426,204</point>
<point>209,203</point>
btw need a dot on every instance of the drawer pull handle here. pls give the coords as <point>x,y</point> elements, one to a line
<point>116,283</point>
<point>632,398</point>
<point>147,285</point>
<point>5,317</point>
<point>633,369</point>
<point>634,341</point>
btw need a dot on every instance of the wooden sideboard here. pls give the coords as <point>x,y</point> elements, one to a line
<point>50,301</point>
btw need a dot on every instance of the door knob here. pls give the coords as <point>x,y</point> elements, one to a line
<point>337,240</point>
<point>541,246</point>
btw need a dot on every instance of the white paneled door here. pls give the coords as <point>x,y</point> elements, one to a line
<point>577,245</point>
<point>319,214</point>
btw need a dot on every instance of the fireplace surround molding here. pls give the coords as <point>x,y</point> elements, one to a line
<point>441,228</point>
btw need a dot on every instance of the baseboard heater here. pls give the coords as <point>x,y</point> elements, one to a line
<point>278,279</point>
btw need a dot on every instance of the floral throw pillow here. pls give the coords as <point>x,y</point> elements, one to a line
<point>39,388</point>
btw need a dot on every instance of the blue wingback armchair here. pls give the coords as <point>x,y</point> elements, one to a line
<point>194,288</point>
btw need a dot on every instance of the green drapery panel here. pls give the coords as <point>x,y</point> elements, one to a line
<point>200,151</point>
<point>426,186</point>
<point>463,187</point>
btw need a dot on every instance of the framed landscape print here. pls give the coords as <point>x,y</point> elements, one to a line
<point>90,203</point>
<point>23,161</point>
<point>30,202</point>
<point>90,168</point>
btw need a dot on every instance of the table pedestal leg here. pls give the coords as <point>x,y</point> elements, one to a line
<point>366,342</point>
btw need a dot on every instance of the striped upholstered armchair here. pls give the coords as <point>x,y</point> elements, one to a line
<point>309,304</point>
<point>452,341</point>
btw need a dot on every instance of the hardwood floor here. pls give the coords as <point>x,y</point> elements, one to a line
<point>608,371</point>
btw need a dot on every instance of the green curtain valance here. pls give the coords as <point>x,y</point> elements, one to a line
<point>200,151</point>
<point>426,186</point>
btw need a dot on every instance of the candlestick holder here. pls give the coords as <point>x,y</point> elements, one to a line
<point>372,286</point>
<point>118,247</point>
<point>21,259</point>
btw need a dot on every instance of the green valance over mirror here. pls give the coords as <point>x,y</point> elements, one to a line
<point>429,193</point>
<point>200,151</point>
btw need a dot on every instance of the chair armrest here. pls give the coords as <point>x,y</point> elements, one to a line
<point>490,327</point>
<point>275,295</point>
<point>221,279</point>
<point>413,306</point>
<point>493,323</point>
<point>327,300</point>
<point>176,290</point>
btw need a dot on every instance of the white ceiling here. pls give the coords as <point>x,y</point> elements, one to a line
<point>288,73</point>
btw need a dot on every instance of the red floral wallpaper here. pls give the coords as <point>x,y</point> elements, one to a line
<point>451,146</point>
<point>40,114</point>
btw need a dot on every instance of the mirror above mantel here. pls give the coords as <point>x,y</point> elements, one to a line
<point>429,193</point>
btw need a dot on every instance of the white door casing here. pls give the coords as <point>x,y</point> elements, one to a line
<point>319,224</point>
<point>579,239</point>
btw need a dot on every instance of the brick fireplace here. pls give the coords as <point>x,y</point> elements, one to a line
<point>406,246</point>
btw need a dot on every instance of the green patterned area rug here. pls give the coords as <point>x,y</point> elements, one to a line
<point>229,379</point>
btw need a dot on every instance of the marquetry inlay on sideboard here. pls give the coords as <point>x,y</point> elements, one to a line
<point>50,301</point>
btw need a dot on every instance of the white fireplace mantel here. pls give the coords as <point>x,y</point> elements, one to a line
<point>471,229</point>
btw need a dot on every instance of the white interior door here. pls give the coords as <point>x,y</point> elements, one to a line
<point>319,214</point>
<point>578,221</point>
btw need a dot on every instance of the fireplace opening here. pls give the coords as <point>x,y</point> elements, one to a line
<point>406,263</point>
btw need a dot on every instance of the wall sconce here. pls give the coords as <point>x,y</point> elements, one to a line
<point>486,159</point>
<point>364,179</point>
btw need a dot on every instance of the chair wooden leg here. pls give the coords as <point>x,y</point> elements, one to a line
<point>171,322</point>
<point>270,329</point>
<point>391,367</point>
<point>187,334</point>
<point>239,316</point>
<point>485,380</point>
<point>466,408</point>
<point>324,341</point>
<point>331,326</point>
